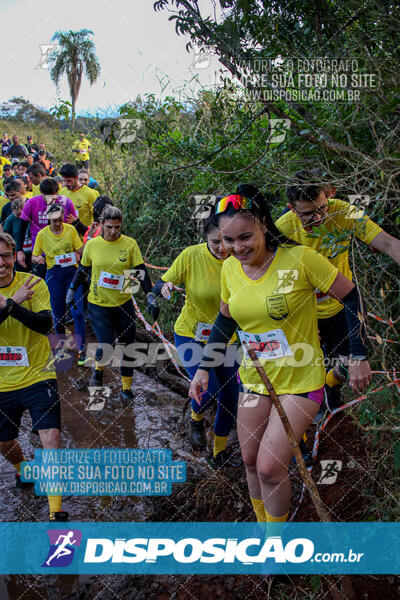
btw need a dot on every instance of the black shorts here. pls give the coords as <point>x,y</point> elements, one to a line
<point>82,164</point>
<point>42,401</point>
<point>334,335</point>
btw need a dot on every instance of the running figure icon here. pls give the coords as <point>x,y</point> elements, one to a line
<point>62,549</point>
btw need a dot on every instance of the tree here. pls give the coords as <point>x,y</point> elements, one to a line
<point>75,56</point>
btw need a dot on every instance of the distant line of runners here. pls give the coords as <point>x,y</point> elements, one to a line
<point>268,285</point>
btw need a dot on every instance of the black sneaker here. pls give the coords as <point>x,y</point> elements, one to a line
<point>96,379</point>
<point>197,435</point>
<point>224,459</point>
<point>60,516</point>
<point>22,485</point>
<point>126,395</point>
<point>333,397</point>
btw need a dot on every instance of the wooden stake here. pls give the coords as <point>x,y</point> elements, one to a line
<point>323,513</point>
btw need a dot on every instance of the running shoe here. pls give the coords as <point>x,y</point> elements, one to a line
<point>22,485</point>
<point>127,395</point>
<point>82,358</point>
<point>197,435</point>
<point>224,459</point>
<point>62,516</point>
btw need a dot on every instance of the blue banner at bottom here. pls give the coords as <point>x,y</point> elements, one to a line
<point>200,548</point>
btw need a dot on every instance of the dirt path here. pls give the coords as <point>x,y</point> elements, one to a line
<point>156,420</point>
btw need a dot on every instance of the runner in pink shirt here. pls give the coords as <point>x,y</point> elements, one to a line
<point>34,212</point>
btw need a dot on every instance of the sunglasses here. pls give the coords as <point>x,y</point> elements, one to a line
<point>238,203</point>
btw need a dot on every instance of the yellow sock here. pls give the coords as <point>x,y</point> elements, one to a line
<point>196,416</point>
<point>54,504</point>
<point>98,367</point>
<point>258,506</point>
<point>331,379</point>
<point>17,466</point>
<point>219,443</point>
<point>271,519</point>
<point>126,382</point>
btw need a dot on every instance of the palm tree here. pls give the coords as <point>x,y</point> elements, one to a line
<point>76,53</point>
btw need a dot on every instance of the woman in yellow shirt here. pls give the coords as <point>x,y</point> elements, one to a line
<point>108,261</point>
<point>268,291</point>
<point>62,249</point>
<point>199,268</point>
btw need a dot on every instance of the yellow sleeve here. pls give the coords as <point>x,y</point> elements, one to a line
<point>38,249</point>
<point>364,228</point>
<point>86,259</point>
<point>137,258</point>
<point>41,297</point>
<point>76,241</point>
<point>318,270</point>
<point>225,293</point>
<point>177,271</point>
<point>286,224</point>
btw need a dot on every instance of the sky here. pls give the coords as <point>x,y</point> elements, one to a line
<point>138,49</point>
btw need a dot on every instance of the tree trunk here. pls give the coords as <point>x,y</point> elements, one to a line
<point>73,115</point>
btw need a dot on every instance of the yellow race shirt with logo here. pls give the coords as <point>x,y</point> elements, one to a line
<point>109,261</point>
<point>341,217</point>
<point>82,146</point>
<point>283,303</point>
<point>83,201</point>
<point>16,339</point>
<point>55,245</point>
<point>200,271</point>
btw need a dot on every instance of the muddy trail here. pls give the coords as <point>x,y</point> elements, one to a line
<point>158,419</point>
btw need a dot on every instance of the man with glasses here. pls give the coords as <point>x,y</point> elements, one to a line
<point>309,208</point>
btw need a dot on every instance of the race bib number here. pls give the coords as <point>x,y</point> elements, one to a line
<point>321,297</point>
<point>13,356</point>
<point>203,331</point>
<point>267,346</point>
<point>111,281</point>
<point>65,260</point>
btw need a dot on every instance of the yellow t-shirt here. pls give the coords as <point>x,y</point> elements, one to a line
<point>82,146</point>
<point>16,338</point>
<point>341,217</point>
<point>109,260</point>
<point>3,201</point>
<point>83,201</point>
<point>283,299</point>
<point>200,271</point>
<point>56,245</point>
<point>3,161</point>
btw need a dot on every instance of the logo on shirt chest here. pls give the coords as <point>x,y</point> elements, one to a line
<point>277,307</point>
<point>286,280</point>
<point>123,255</point>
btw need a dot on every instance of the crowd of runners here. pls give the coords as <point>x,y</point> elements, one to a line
<point>276,287</point>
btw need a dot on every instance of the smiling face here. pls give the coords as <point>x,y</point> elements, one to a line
<point>216,244</point>
<point>244,237</point>
<point>71,183</point>
<point>83,178</point>
<point>7,259</point>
